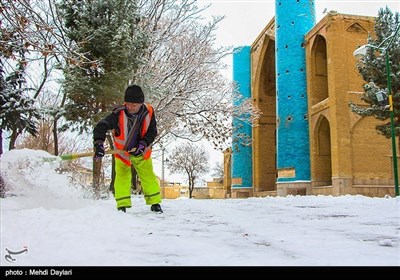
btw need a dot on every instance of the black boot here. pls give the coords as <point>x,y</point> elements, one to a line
<point>156,208</point>
<point>123,209</point>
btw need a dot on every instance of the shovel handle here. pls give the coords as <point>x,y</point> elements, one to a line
<point>90,154</point>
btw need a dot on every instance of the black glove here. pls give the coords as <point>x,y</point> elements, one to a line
<point>98,149</point>
<point>140,148</point>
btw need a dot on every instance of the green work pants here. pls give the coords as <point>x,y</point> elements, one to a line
<point>147,177</point>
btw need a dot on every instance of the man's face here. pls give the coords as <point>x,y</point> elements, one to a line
<point>133,108</point>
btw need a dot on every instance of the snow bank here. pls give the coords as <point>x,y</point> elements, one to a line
<point>33,174</point>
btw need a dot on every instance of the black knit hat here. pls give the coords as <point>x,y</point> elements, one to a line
<point>134,94</point>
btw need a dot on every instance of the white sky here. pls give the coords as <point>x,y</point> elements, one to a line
<point>245,19</point>
<point>47,216</point>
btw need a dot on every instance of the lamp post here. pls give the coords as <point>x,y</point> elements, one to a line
<point>163,161</point>
<point>360,53</point>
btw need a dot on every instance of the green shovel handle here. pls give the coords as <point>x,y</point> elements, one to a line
<point>90,154</point>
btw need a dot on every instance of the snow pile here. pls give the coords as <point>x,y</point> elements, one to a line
<point>33,174</point>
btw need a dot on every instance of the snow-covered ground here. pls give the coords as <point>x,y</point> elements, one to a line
<point>50,218</point>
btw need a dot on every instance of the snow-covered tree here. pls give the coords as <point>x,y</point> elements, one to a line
<point>373,70</point>
<point>115,40</point>
<point>182,74</point>
<point>37,25</point>
<point>189,159</point>
<point>18,112</point>
<point>32,36</point>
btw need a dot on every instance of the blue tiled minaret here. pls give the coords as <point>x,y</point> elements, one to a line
<point>293,19</point>
<point>241,158</point>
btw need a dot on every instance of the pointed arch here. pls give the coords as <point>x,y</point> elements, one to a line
<point>319,65</point>
<point>264,97</point>
<point>322,161</point>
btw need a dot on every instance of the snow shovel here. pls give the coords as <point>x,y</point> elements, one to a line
<point>91,154</point>
<point>88,154</point>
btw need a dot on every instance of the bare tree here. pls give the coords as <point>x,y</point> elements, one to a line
<point>218,170</point>
<point>190,159</point>
<point>31,32</point>
<point>44,140</point>
<point>37,24</point>
<point>182,72</point>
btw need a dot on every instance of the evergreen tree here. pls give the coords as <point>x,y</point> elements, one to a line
<point>18,112</point>
<point>116,41</point>
<point>33,47</point>
<point>373,70</point>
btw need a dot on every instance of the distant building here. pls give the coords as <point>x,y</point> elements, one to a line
<point>171,190</point>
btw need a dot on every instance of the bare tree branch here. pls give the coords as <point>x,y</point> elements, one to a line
<point>182,73</point>
<point>38,25</point>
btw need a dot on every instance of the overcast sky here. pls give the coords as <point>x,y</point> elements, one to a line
<point>244,20</point>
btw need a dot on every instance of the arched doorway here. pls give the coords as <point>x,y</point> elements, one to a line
<point>264,97</point>
<point>319,80</point>
<point>322,162</point>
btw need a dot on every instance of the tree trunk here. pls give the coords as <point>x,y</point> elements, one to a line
<point>1,141</point>
<point>55,136</point>
<point>111,188</point>
<point>56,151</point>
<point>2,187</point>
<point>191,186</point>
<point>134,181</point>
<point>96,177</point>
<point>13,139</point>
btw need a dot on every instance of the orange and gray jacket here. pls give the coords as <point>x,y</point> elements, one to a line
<point>128,129</point>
